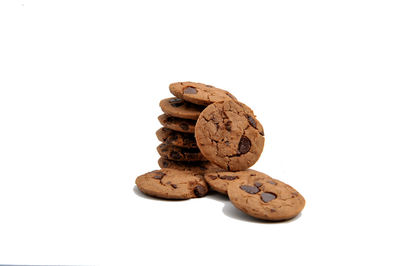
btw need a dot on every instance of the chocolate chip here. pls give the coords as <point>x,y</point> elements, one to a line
<point>159,175</point>
<point>184,126</point>
<point>257,184</point>
<point>267,197</point>
<point>175,155</point>
<point>228,177</point>
<point>228,125</point>
<point>190,90</point>
<point>273,210</point>
<point>174,186</point>
<point>252,122</point>
<point>199,191</point>
<point>250,189</point>
<point>271,182</point>
<point>244,145</point>
<point>175,102</point>
<point>213,177</point>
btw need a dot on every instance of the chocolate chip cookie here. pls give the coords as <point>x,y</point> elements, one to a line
<point>172,184</point>
<point>229,135</point>
<point>265,198</point>
<point>219,180</point>
<point>175,153</point>
<point>177,124</point>
<point>179,108</point>
<point>196,167</point>
<point>169,136</point>
<point>199,93</point>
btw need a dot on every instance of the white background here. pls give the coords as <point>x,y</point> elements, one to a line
<point>80,83</point>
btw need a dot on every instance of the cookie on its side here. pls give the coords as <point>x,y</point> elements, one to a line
<point>169,136</point>
<point>199,93</point>
<point>179,108</point>
<point>177,124</point>
<point>262,197</point>
<point>229,135</point>
<point>172,184</point>
<point>175,153</point>
<point>196,167</point>
<point>220,180</point>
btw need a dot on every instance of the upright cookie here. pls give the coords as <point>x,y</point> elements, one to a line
<point>196,167</point>
<point>179,108</point>
<point>262,197</point>
<point>199,93</point>
<point>169,136</point>
<point>229,135</point>
<point>177,124</point>
<point>179,154</point>
<point>172,184</point>
<point>220,180</point>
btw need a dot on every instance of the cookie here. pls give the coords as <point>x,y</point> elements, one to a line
<point>265,198</point>
<point>199,93</point>
<point>219,180</point>
<point>175,153</point>
<point>177,124</point>
<point>229,135</point>
<point>169,136</point>
<point>179,108</point>
<point>197,167</point>
<point>172,184</point>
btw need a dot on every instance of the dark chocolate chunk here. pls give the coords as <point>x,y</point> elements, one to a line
<point>252,122</point>
<point>267,197</point>
<point>175,155</point>
<point>213,177</point>
<point>174,186</point>
<point>175,102</point>
<point>228,177</point>
<point>244,145</point>
<point>184,126</point>
<point>190,90</point>
<point>250,189</point>
<point>257,184</point>
<point>200,191</point>
<point>159,175</point>
<point>228,125</point>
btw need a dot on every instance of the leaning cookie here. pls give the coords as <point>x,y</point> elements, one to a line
<point>262,197</point>
<point>179,108</point>
<point>220,180</point>
<point>172,184</point>
<point>229,135</point>
<point>199,93</point>
<point>177,124</point>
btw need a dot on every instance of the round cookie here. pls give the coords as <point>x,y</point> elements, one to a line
<point>177,124</point>
<point>199,93</point>
<point>169,136</point>
<point>179,108</point>
<point>172,184</point>
<point>175,153</point>
<point>196,167</point>
<point>265,198</point>
<point>229,135</point>
<point>220,180</point>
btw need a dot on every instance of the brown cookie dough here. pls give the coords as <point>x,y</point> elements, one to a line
<point>265,198</point>
<point>172,184</point>
<point>229,135</point>
<point>179,108</point>
<point>175,153</point>
<point>177,124</point>
<point>219,180</point>
<point>199,93</point>
<point>169,136</point>
<point>196,167</point>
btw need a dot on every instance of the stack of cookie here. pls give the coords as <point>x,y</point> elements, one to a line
<point>210,139</point>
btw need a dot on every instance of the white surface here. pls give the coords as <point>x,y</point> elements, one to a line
<point>80,83</point>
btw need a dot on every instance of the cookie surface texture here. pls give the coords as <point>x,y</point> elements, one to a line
<point>229,135</point>
<point>199,93</point>
<point>172,184</point>
<point>265,198</point>
<point>169,136</point>
<point>177,124</point>
<point>176,153</point>
<point>180,108</point>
